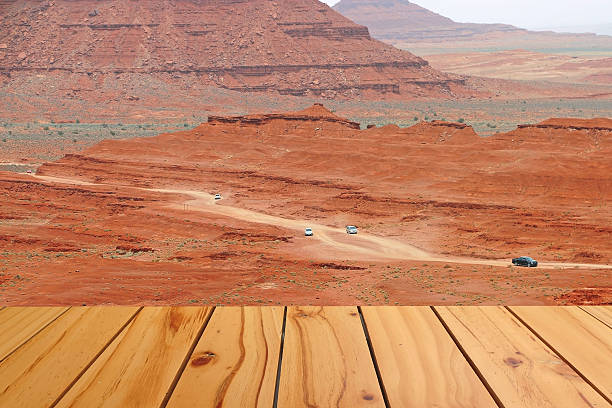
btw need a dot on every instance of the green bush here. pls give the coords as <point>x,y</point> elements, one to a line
<point>461,120</point>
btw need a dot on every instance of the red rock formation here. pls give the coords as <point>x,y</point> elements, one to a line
<point>563,134</point>
<point>293,47</point>
<point>316,113</point>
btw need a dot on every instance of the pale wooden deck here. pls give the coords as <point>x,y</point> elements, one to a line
<point>306,357</point>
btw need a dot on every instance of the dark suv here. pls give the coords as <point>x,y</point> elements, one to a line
<point>525,261</point>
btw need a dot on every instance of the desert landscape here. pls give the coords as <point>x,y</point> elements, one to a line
<point>305,204</point>
<point>121,120</point>
<point>440,211</point>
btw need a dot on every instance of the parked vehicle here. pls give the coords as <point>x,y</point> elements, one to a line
<point>525,261</point>
<point>308,232</point>
<point>351,229</point>
<point>217,196</point>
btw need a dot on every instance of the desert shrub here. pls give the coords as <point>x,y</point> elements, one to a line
<point>416,119</point>
<point>61,133</point>
<point>461,120</point>
<point>45,127</point>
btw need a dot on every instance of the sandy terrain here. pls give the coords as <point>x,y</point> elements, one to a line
<point>526,65</point>
<point>440,212</point>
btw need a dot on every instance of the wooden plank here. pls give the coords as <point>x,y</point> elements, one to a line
<point>37,373</point>
<point>326,361</point>
<point>582,340</point>
<point>139,367</point>
<point>236,361</point>
<point>419,363</point>
<point>20,324</point>
<point>602,313</point>
<point>520,369</point>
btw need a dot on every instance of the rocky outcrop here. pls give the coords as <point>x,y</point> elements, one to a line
<point>601,124</point>
<point>315,114</point>
<point>292,47</point>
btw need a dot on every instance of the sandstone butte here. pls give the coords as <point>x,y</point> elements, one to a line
<point>440,210</point>
<point>98,51</point>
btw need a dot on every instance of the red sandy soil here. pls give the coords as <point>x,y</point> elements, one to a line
<point>526,65</point>
<point>440,212</point>
<point>409,26</point>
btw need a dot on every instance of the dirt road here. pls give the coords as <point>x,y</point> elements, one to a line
<point>333,241</point>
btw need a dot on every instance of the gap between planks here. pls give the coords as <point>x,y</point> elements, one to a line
<point>280,359</point>
<point>381,384</point>
<point>589,310</point>
<point>181,369</point>
<point>26,340</point>
<point>84,370</point>
<point>560,355</point>
<point>469,360</point>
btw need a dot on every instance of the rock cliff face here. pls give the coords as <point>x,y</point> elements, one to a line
<point>314,115</point>
<point>293,47</point>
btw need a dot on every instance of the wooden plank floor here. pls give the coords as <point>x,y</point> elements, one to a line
<point>306,357</point>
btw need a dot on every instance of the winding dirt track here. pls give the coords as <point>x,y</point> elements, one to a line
<point>338,244</point>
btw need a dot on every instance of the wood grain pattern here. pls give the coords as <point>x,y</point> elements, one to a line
<point>420,365</point>
<point>520,369</point>
<point>326,361</point>
<point>602,313</point>
<point>19,324</point>
<point>138,368</point>
<point>38,372</point>
<point>235,362</point>
<point>582,340</point>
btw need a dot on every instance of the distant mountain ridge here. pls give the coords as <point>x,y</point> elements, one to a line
<point>409,26</point>
<point>401,19</point>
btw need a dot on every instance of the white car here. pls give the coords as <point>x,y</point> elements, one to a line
<point>308,232</point>
<point>351,229</point>
<point>217,196</point>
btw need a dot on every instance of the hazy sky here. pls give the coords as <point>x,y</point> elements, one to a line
<point>522,13</point>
